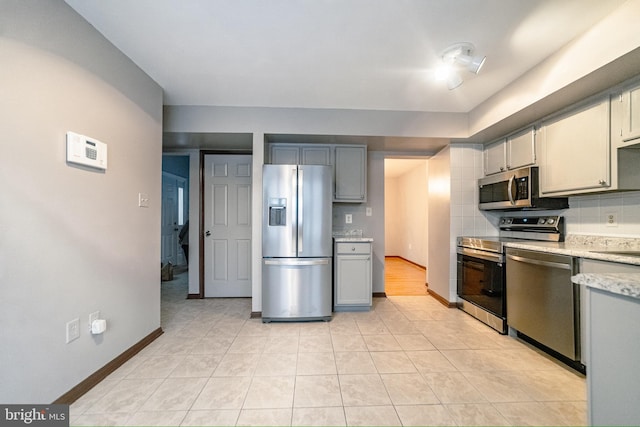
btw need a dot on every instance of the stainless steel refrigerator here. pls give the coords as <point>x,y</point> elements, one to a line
<point>296,243</point>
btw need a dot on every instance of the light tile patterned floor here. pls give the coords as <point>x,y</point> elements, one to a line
<point>409,361</point>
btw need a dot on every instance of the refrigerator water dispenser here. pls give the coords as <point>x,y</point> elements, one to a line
<point>278,212</point>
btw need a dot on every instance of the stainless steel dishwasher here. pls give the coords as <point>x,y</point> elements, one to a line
<point>543,303</point>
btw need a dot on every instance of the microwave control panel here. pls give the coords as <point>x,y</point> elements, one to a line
<point>522,185</point>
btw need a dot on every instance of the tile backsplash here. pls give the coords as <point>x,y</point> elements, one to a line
<point>466,218</point>
<point>589,214</point>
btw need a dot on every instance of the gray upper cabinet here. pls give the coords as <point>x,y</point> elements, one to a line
<point>521,149</point>
<point>294,154</point>
<point>284,154</point>
<point>590,147</point>
<point>316,155</point>
<point>495,157</point>
<point>351,173</point>
<point>513,152</point>
<point>631,115</point>
<point>575,151</point>
<point>349,162</point>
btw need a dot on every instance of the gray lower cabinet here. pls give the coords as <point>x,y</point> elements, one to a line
<point>613,346</point>
<point>613,376</point>
<point>352,276</point>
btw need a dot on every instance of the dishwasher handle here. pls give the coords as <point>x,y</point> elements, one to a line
<point>539,262</point>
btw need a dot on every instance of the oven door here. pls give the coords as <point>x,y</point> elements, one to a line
<point>481,280</point>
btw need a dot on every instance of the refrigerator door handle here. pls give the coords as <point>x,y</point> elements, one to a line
<point>294,263</point>
<point>300,211</point>
<point>294,218</point>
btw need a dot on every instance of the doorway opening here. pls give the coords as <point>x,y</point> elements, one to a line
<point>175,222</point>
<point>406,226</point>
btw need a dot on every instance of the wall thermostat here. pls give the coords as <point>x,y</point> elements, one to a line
<point>86,151</point>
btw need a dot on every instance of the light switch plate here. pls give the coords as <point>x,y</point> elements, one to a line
<point>143,200</point>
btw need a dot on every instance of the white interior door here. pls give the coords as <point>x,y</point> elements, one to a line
<point>169,229</point>
<point>227,226</point>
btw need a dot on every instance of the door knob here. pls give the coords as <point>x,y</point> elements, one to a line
<point>208,233</point>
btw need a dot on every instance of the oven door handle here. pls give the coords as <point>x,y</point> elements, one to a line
<point>489,256</point>
<point>541,263</point>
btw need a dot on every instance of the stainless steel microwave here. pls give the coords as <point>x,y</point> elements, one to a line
<point>516,189</point>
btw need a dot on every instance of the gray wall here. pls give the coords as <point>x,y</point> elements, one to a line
<point>73,240</point>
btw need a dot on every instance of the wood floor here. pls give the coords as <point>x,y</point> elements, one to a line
<point>404,278</point>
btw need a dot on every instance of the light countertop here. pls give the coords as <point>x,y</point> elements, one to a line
<point>341,239</point>
<point>586,247</point>
<point>627,284</point>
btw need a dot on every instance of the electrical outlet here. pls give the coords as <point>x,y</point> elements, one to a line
<point>93,316</point>
<point>348,218</point>
<point>612,220</point>
<point>73,330</point>
<point>369,212</point>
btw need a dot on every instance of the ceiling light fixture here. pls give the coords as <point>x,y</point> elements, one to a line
<point>460,54</point>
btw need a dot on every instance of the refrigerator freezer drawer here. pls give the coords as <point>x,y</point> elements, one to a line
<point>295,289</point>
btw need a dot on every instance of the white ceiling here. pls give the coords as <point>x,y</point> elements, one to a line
<point>353,54</point>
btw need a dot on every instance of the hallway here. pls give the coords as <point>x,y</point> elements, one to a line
<point>402,278</point>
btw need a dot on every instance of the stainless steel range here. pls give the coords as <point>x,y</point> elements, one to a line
<point>481,265</point>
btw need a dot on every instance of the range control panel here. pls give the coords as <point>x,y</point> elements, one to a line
<point>549,223</point>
